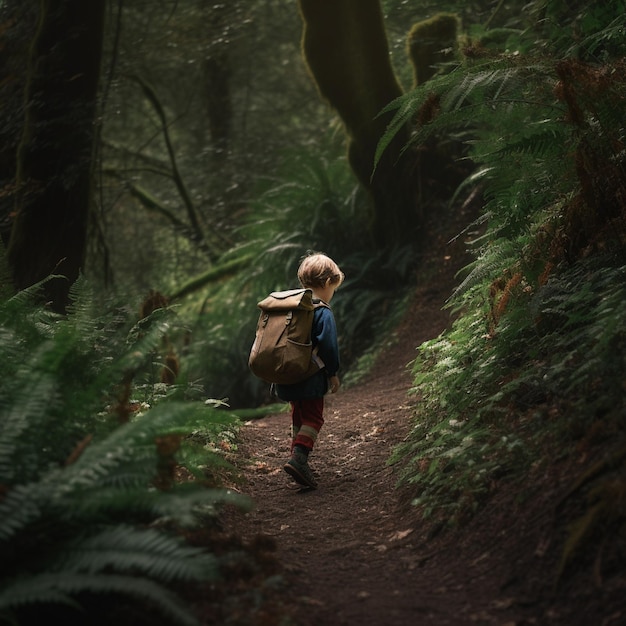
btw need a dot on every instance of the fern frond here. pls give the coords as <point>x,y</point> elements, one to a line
<point>183,505</point>
<point>500,253</point>
<point>468,97</point>
<point>19,508</point>
<point>124,549</point>
<point>62,588</point>
<point>128,447</point>
<point>144,337</point>
<point>26,298</point>
<point>25,411</point>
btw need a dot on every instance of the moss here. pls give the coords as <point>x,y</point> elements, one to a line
<point>431,43</point>
<point>349,61</point>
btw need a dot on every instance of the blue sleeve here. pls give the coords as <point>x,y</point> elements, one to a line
<point>325,339</point>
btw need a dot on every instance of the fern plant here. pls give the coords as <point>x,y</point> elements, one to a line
<point>85,514</point>
<point>533,360</point>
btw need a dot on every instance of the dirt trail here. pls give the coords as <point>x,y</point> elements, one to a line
<point>349,551</point>
<point>351,554</point>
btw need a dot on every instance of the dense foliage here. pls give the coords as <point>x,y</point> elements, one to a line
<point>92,506</point>
<point>534,366</point>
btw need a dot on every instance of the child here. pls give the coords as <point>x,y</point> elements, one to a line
<point>322,275</point>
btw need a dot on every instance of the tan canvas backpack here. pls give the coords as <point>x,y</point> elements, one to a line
<point>282,352</point>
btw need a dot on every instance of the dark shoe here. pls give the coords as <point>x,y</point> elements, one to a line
<point>298,468</point>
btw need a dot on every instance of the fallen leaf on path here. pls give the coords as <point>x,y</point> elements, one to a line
<point>505,603</point>
<point>400,534</point>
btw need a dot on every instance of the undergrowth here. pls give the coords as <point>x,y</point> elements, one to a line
<point>93,509</point>
<point>532,371</point>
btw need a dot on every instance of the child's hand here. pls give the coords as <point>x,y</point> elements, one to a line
<point>334,384</point>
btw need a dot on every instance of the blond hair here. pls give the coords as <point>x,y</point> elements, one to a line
<point>318,270</point>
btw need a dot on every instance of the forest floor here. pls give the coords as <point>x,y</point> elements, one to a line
<point>352,552</point>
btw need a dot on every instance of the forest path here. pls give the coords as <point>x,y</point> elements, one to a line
<point>349,552</point>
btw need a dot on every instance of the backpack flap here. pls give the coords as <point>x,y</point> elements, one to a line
<point>282,350</point>
<point>285,300</point>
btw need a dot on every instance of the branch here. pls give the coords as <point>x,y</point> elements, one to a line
<point>212,275</point>
<point>155,165</point>
<point>151,203</point>
<point>178,180</point>
<point>115,172</point>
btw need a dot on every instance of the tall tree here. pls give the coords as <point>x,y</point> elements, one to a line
<point>54,157</point>
<point>346,49</point>
<point>345,46</point>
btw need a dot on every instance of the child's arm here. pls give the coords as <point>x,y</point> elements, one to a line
<point>334,383</point>
<point>326,341</point>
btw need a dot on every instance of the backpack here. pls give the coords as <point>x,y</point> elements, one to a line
<point>282,351</point>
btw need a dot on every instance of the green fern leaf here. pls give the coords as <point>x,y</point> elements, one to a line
<point>64,587</point>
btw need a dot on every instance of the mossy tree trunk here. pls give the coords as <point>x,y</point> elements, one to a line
<point>54,158</point>
<point>345,46</point>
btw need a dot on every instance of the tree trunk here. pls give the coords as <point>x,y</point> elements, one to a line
<point>18,20</point>
<point>345,46</point>
<point>54,159</point>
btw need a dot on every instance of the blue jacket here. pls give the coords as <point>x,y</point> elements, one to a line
<point>324,337</point>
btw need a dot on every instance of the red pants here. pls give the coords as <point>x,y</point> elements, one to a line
<point>307,419</point>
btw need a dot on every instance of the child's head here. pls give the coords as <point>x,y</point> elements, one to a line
<point>319,271</point>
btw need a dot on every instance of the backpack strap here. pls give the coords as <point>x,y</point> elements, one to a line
<point>317,303</point>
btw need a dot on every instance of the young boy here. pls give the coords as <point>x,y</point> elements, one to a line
<point>322,275</point>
